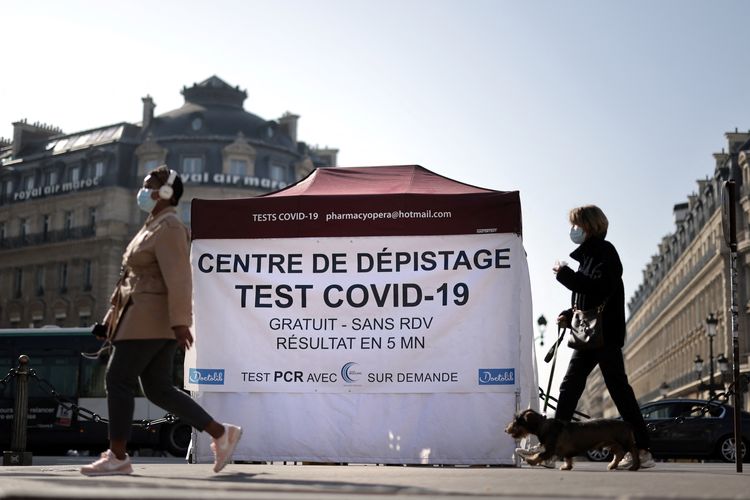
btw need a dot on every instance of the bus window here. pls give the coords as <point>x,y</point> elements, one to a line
<point>92,378</point>
<point>59,369</point>
<point>6,363</point>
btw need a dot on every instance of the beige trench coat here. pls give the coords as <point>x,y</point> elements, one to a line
<point>154,292</point>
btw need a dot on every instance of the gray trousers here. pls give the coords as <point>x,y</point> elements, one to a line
<point>151,361</point>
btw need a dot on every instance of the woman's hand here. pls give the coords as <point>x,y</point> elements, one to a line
<point>184,337</point>
<point>564,318</point>
<point>559,265</point>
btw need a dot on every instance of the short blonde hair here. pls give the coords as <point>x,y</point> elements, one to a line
<point>591,219</point>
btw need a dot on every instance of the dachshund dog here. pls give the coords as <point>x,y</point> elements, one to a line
<point>567,439</point>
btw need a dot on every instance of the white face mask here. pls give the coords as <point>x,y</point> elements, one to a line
<point>145,201</point>
<point>577,235</point>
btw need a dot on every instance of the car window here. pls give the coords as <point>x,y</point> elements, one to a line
<point>658,411</point>
<point>716,411</point>
<point>697,411</point>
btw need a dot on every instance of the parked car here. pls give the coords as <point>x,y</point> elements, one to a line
<point>690,428</point>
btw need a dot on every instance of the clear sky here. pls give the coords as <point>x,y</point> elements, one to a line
<point>620,104</point>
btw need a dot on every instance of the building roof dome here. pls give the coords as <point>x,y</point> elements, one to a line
<point>214,108</point>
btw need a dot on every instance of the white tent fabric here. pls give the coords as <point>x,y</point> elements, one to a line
<point>482,335</point>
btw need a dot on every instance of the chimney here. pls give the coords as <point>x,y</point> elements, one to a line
<point>680,212</point>
<point>148,111</point>
<point>736,139</point>
<point>326,156</point>
<point>23,133</point>
<point>288,124</point>
<point>721,161</point>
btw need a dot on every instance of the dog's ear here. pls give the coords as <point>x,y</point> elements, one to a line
<point>532,418</point>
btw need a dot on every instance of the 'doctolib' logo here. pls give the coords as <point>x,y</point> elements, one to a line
<point>349,374</point>
<point>497,376</point>
<point>206,376</point>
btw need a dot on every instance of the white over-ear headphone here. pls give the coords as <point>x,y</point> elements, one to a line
<point>166,191</point>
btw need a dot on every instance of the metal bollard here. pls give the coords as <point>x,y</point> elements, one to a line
<point>18,454</point>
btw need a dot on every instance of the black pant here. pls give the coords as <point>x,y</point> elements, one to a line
<point>151,362</point>
<point>611,364</point>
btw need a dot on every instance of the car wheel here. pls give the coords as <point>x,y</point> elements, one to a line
<point>600,455</point>
<point>725,449</point>
<point>175,438</point>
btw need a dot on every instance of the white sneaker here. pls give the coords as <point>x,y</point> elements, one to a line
<point>647,461</point>
<point>225,445</point>
<point>108,465</point>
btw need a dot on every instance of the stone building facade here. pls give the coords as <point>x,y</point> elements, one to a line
<point>67,201</point>
<point>686,281</point>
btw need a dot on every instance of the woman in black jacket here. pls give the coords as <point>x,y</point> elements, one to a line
<point>597,282</point>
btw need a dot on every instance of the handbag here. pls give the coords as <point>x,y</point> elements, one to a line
<point>586,329</point>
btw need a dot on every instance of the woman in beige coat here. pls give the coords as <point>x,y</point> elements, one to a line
<point>149,319</point>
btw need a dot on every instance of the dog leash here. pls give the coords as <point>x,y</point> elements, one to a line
<point>560,335</point>
<point>553,350</point>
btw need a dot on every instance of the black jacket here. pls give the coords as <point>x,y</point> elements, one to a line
<point>598,279</point>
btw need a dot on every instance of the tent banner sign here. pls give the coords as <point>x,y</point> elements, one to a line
<point>375,314</point>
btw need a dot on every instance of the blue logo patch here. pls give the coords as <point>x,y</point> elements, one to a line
<point>206,376</point>
<point>497,376</point>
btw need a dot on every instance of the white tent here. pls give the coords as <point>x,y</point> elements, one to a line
<point>366,315</point>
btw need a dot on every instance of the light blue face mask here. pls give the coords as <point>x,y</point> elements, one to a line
<point>145,202</point>
<point>577,235</point>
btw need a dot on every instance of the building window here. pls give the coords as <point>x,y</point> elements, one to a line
<point>18,283</point>
<point>192,165</point>
<point>87,275</point>
<point>99,169</point>
<point>40,280</point>
<point>2,232</point>
<point>50,178</point>
<point>84,320</point>
<point>28,182</point>
<point>278,172</point>
<point>45,227</point>
<point>92,217</point>
<point>63,277</point>
<point>75,174</point>
<point>23,228</point>
<point>68,225</point>
<point>8,187</point>
<point>238,167</point>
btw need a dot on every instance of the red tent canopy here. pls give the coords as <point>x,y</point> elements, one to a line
<point>362,201</point>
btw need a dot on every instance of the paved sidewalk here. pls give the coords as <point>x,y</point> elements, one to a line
<point>173,479</point>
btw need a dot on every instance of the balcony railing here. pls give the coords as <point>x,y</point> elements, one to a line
<point>676,289</point>
<point>73,233</point>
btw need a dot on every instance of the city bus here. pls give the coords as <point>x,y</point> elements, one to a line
<point>53,427</point>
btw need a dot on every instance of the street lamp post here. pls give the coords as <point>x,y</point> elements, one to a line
<point>711,323</point>
<point>724,368</point>
<point>542,324</point>
<point>698,365</point>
